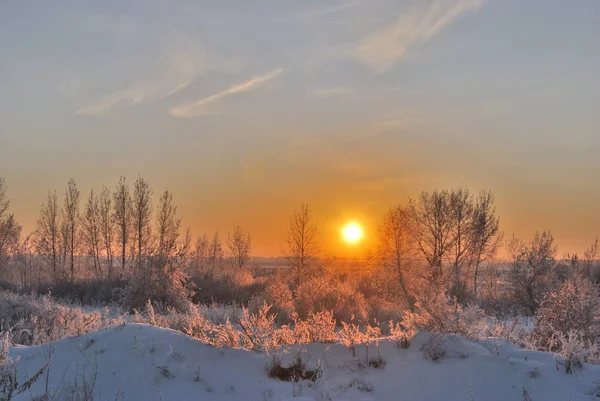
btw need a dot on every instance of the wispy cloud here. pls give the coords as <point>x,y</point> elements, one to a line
<point>331,92</point>
<point>197,108</point>
<point>174,79</point>
<point>382,49</point>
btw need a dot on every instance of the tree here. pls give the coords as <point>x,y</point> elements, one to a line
<point>107,226</point>
<point>530,273</point>
<point>161,277</point>
<point>461,209</point>
<point>168,225</point>
<point>26,262</point>
<point>142,216</point>
<point>91,232</point>
<point>199,261</point>
<point>395,249</point>
<point>215,253</point>
<point>590,262</point>
<point>122,217</point>
<point>48,233</point>
<point>302,248</point>
<point>239,245</point>
<point>486,236</point>
<point>71,223</point>
<point>433,230</point>
<point>10,230</point>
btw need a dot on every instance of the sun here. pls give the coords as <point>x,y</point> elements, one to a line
<point>352,233</point>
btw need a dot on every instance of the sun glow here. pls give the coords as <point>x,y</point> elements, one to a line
<point>352,233</point>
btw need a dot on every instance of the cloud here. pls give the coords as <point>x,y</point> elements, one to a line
<point>331,92</point>
<point>175,78</point>
<point>196,108</point>
<point>382,49</point>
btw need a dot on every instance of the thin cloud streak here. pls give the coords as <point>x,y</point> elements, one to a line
<point>173,81</point>
<point>331,92</point>
<point>196,108</point>
<point>382,49</point>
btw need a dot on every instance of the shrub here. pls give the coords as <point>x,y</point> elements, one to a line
<point>441,314</point>
<point>295,372</point>
<point>574,307</point>
<point>402,335</point>
<point>321,293</point>
<point>278,294</point>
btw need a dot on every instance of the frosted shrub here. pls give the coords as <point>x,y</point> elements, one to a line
<point>441,314</point>
<point>401,335</point>
<point>436,346</point>
<point>321,293</point>
<point>278,294</point>
<point>573,307</point>
<point>259,329</point>
<point>575,351</point>
<point>352,335</point>
<point>317,328</point>
<point>9,384</point>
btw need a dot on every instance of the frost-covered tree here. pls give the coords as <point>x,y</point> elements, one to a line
<point>395,250</point>
<point>71,221</point>
<point>161,277</point>
<point>91,232</point>
<point>486,236</point>
<point>239,245</point>
<point>107,229</point>
<point>10,230</point>
<point>531,270</point>
<point>432,230</point>
<point>142,217</point>
<point>215,253</point>
<point>122,217</point>
<point>302,248</point>
<point>48,234</point>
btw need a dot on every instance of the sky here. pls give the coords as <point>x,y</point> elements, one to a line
<point>245,109</point>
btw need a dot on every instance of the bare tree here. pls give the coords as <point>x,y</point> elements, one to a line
<point>531,269</point>
<point>71,223</point>
<point>26,262</point>
<point>461,205</point>
<point>302,247</point>
<point>395,249</point>
<point>107,225</point>
<point>48,233</point>
<point>215,253</point>
<point>122,217</point>
<point>142,216</point>
<point>199,261</point>
<point>91,232</point>
<point>162,278</point>
<point>239,245</point>
<point>433,230</point>
<point>168,225</point>
<point>486,236</point>
<point>10,230</point>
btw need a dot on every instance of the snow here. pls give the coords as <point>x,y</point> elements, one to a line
<point>141,362</point>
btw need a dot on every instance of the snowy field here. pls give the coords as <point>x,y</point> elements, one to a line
<point>141,362</point>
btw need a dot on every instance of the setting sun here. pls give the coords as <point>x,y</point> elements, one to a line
<point>352,233</point>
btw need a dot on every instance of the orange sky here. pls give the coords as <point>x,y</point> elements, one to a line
<point>246,109</point>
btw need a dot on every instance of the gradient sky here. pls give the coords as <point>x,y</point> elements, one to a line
<point>243,109</point>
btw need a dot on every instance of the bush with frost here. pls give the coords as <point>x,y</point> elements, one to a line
<point>322,293</point>
<point>278,294</point>
<point>442,314</point>
<point>574,307</point>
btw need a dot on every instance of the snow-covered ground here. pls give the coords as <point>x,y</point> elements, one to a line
<point>140,362</point>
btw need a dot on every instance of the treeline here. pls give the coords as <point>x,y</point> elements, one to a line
<point>442,242</point>
<point>112,235</point>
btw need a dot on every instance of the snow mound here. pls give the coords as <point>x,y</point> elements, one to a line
<point>141,362</point>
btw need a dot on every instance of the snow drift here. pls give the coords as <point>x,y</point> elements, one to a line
<point>141,362</point>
